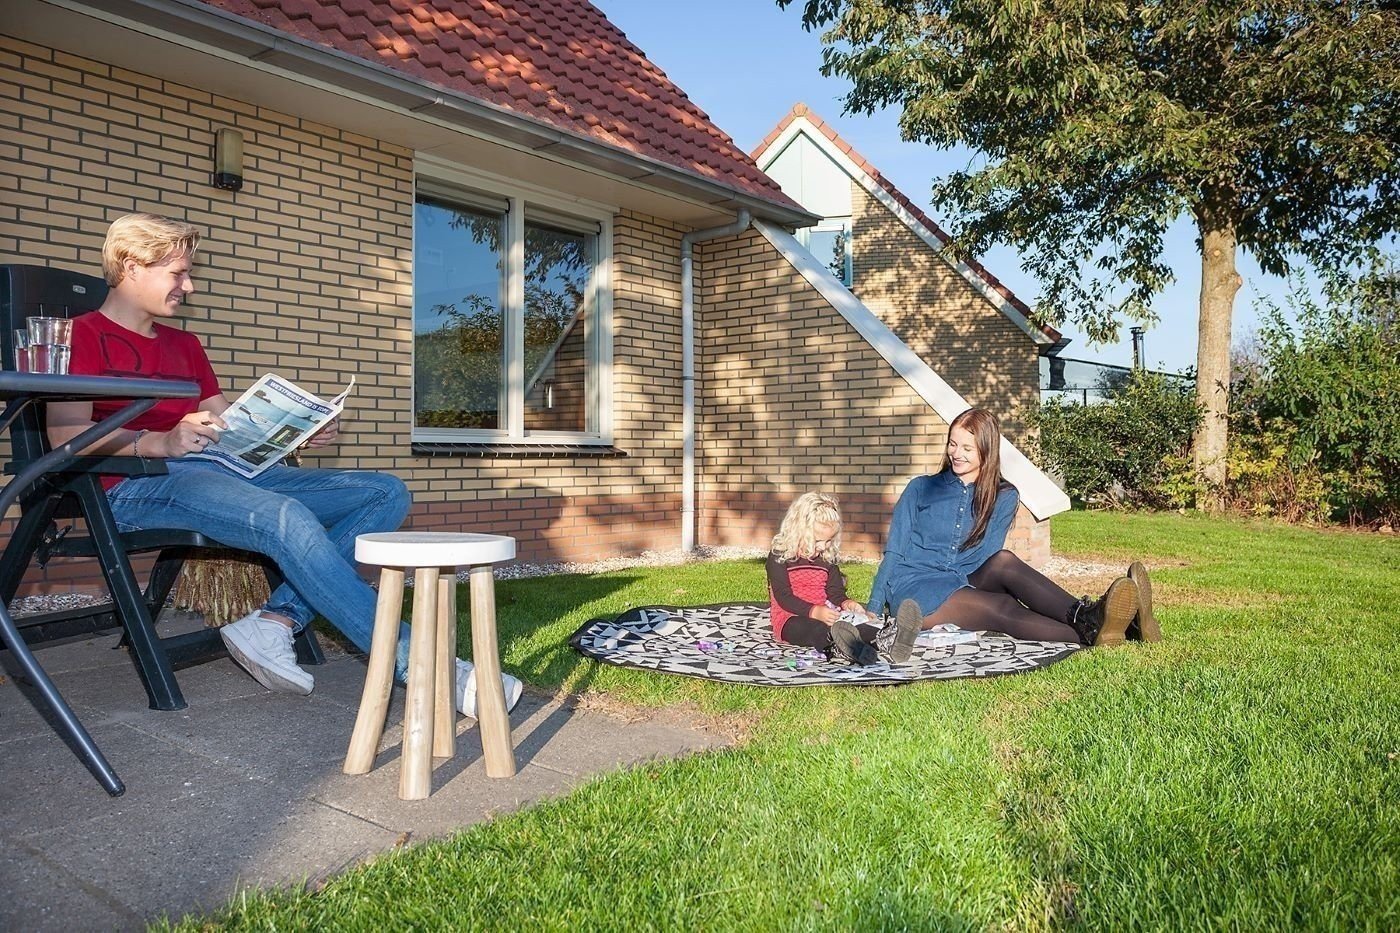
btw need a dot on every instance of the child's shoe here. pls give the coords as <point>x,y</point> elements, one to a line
<point>847,644</point>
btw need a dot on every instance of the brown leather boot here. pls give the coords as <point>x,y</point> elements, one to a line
<point>1105,620</point>
<point>1144,626</point>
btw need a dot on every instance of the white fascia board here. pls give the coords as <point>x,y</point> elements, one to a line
<point>1039,494</point>
<point>802,126</point>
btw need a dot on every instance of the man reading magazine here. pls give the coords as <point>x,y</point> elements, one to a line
<point>305,520</point>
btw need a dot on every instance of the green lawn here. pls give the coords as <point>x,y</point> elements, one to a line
<point>1242,774</point>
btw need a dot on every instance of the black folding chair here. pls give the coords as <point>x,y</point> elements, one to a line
<point>77,493</point>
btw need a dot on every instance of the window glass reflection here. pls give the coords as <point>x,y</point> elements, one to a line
<point>458,333</point>
<point>558,267</point>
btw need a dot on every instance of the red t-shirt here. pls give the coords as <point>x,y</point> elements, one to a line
<point>102,347</point>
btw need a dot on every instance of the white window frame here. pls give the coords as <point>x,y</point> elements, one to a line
<point>522,200</point>
<point>831,225</point>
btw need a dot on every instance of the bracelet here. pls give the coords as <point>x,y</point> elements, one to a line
<point>136,442</point>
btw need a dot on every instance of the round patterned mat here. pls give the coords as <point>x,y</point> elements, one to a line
<point>734,643</point>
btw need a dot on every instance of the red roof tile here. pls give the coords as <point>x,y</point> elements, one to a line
<point>560,62</point>
<point>802,110</point>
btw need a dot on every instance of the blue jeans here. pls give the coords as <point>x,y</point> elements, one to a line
<point>305,520</point>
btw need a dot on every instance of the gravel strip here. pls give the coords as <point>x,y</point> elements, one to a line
<point>53,602</point>
<point>645,559</point>
<point>1055,567</point>
<point>1058,567</point>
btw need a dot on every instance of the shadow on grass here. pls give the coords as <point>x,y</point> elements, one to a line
<point>539,615</point>
<point>533,614</point>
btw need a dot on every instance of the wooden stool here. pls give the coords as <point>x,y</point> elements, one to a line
<point>429,714</point>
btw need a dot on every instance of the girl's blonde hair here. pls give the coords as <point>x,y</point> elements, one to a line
<point>150,239</point>
<point>797,535</point>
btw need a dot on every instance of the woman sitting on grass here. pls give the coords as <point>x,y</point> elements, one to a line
<point>945,552</point>
<point>807,591</point>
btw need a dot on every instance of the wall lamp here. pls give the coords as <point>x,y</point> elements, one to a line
<point>228,160</point>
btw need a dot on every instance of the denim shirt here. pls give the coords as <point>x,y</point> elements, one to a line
<point>922,559</point>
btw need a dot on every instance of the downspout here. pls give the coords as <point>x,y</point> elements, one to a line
<point>688,367</point>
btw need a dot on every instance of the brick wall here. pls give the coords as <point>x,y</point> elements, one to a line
<point>971,344</point>
<point>307,271</point>
<point>792,399</point>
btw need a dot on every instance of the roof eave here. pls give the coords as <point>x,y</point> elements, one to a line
<point>246,39</point>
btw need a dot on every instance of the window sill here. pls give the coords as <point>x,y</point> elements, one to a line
<point>514,451</point>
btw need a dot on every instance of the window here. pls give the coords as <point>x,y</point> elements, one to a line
<point>509,321</point>
<point>830,242</point>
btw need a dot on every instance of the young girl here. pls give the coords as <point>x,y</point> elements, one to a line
<point>944,551</point>
<point>807,591</point>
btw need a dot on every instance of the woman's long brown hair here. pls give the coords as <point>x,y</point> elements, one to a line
<point>986,431</point>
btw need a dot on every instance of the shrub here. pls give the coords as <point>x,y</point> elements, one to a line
<point>1316,422</point>
<point>1130,450</point>
<point>1263,482</point>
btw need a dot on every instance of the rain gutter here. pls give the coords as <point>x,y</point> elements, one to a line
<point>688,366</point>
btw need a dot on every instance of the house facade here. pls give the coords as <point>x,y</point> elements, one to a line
<point>969,326</point>
<point>480,214</point>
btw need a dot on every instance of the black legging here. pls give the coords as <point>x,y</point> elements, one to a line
<point>809,633</point>
<point>1010,597</point>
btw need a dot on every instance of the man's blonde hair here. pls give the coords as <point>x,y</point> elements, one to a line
<point>150,239</point>
<point>797,536</point>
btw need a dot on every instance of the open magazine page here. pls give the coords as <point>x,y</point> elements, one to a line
<point>269,421</point>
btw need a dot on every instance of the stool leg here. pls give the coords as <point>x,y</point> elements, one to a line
<point>416,777</point>
<point>374,703</point>
<point>490,694</point>
<point>445,692</point>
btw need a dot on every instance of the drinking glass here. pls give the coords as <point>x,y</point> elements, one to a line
<point>22,350</point>
<point>54,330</point>
<point>48,358</point>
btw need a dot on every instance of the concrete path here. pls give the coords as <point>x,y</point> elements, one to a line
<point>244,786</point>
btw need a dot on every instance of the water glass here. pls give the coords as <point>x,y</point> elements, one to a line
<point>50,344</point>
<point>52,330</point>
<point>21,350</point>
<point>49,358</point>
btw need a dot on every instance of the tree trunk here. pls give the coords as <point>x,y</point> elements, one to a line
<point>1219,283</point>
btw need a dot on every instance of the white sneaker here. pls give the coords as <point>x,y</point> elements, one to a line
<point>466,689</point>
<point>264,649</point>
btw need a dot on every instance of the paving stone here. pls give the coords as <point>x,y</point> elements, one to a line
<point>44,787</point>
<point>610,743</point>
<point>42,895</point>
<point>81,654</point>
<point>244,787</point>
<point>196,852</point>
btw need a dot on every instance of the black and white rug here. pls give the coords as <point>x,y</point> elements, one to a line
<point>734,643</point>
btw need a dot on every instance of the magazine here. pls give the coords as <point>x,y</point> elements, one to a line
<point>269,421</point>
<point>943,635</point>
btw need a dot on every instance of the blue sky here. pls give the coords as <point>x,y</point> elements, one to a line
<point>746,62</point>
